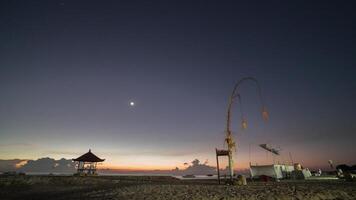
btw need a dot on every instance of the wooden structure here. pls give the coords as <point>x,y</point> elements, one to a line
<point>86,164</point>
<point>220,153</point>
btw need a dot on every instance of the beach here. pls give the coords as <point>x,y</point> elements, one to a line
<point>166,187</point>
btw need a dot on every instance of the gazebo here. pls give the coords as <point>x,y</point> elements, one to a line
<point>86,164</point>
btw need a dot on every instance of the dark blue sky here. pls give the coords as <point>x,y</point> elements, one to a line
<point>69,69</point>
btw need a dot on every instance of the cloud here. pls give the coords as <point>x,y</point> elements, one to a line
<point>49,165</point>
<point>10,165</point>
<point>69,153</point>
<point>197,168</point>
<point>150,153</point>
<point>126,153</point>
<point>42,165</point>
<point>18,145</point>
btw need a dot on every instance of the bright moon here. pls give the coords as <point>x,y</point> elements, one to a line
<point>132,103</point>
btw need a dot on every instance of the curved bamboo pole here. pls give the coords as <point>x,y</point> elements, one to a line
<point>229,138</point>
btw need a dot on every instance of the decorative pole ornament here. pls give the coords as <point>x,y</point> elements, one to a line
<point>229,138</point>
<point>265,114</point>
<point>244,124</point>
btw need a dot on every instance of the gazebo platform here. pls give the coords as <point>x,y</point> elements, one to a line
<point>87,163</point>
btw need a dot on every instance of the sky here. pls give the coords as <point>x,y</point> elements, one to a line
<point>69,70</point>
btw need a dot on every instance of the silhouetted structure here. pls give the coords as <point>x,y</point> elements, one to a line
<point>220,153</point>
<point>229,140</point>
<point>87,163</point>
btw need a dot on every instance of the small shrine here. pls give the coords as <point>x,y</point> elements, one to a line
<point>220,153</point>
<point>86,164</point>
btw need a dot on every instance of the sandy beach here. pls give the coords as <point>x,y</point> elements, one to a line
<point>165,187</point>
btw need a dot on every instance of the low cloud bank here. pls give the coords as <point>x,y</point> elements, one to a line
<point>42,165</point>
<point>50,165</point>
<point>196,168</point>
<point>10,165</point>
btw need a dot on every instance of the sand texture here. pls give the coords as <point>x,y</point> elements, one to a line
<point>46,187</point>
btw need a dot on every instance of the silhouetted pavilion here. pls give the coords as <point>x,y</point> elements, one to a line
<point>87,163</point>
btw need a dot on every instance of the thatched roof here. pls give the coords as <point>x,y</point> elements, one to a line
<point>89,157</point>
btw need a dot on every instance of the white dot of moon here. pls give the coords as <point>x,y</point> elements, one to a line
<point>132,103</point>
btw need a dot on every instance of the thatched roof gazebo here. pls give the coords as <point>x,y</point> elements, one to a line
<point>86,164</point>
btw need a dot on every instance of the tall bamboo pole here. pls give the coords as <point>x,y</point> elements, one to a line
<point>229,138</point>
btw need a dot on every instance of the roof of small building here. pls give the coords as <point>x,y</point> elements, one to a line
<point>89,157</point>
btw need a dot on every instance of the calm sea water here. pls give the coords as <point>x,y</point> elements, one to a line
<point>119,174</point>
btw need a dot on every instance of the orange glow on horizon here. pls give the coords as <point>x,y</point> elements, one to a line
<point>20,164</point>
<point>156,167</point>
<point>134,168</point>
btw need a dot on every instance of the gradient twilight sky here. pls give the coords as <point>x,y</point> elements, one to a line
<point>68,70</point>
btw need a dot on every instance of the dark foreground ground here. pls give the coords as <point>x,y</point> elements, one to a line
<point>67,188</point>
